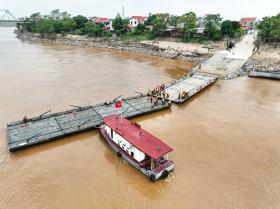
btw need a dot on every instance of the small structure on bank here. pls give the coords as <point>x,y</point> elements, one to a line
<point>270,75</point>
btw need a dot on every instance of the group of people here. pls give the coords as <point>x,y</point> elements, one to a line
<point>183,95</point>
<point>158,93</point>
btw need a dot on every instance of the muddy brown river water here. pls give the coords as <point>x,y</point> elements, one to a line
<point>226,140</point>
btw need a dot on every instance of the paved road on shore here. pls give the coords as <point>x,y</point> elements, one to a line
<point>225,63</point>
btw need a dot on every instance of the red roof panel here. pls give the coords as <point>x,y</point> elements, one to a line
<point>102,20</point>
<point>246,20</point>
<point>140,18</point>
<point>134,134</point>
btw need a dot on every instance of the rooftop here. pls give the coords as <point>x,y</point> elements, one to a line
<point>140,18</point>
<point>134,134</point>
<point>102,20</point>
<point>246,20</point>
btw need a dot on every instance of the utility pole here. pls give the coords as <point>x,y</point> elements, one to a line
<point>123,12</point>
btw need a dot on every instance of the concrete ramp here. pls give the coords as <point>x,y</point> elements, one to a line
<point>229,63</point>
<point>221,66</point>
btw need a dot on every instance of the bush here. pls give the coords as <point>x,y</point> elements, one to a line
<point>120,25</point>
<point>77,32</point>
<point>152,34</point>
<point>140,29</point>
<point>217,35</point>
<point>91,29</point>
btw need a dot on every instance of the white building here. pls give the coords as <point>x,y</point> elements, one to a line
<point>108,25</point>
<point>136,20</point>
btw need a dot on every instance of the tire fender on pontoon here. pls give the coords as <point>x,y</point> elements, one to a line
<point>119,154</point>
<point>165,174</point>
<point>153,177</point>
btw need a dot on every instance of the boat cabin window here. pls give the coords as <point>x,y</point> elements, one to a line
<point>112,133</point>
<point>125,145</point>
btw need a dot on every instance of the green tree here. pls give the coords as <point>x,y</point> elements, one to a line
<point>91,29</point>
<point>68,25</point>
<point>265,28</point>
<point>213,26</point>
<point>31,23</point>
<point>235,25</point>
<point>152,34</point>
<point>47,25</point>
<point>160,23</point>
<point>55,14</point>
<point>174,21</point>
<point>150,19</point>
<point>25,25</point>
<point>227,28</point>
<point>189,21</point>
<point>65,15</point>
<point>275,32</point>
<point>120,25</point>
<point>80,21</point>
<point>140,29</point>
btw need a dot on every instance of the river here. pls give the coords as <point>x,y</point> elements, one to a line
<point>226,139</point>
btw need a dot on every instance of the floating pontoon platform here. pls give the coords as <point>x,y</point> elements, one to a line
<point>270,75</point>
<point>191,84</point>
<point>48,127</point>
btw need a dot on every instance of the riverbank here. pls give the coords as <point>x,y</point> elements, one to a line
<point>197,53</point>
<point>267,60</point>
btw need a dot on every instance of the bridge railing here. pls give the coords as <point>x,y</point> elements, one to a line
<point>7,16</point>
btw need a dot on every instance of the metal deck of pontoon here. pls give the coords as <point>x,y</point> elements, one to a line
<point>48,127</point>
<point>191,84</point>
<point>52,126</point>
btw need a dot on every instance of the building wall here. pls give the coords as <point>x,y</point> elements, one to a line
<point>125,145</point>
<point>134,22</point>
<point>108,24</point>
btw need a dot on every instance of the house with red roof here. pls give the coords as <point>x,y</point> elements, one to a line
<point>108,26</point>
<point>248,23</point>
<point>136,20</point>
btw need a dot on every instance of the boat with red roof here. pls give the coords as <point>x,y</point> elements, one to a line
<point>138,147</point>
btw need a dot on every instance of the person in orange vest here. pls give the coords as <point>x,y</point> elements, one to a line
<point>25,119</point>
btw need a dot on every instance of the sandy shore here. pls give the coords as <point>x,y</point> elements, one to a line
<point>267,60</point>
<point>207,49</point>
<point>268,53</point>
<point>196,53</point>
